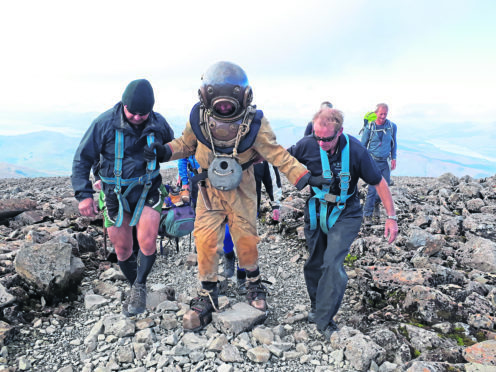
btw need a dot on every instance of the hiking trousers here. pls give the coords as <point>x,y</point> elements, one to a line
<point>324,272</point>
<point>372,196</point>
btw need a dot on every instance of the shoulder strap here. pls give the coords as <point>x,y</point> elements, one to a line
<point>118,181</point>
<point>323,194</point>
<point>195,122</point>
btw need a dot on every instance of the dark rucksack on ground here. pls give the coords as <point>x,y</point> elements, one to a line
<point>176,220</point>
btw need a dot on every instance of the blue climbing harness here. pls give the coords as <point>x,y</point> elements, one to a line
<point>119,182</point>
<point>323,194</point>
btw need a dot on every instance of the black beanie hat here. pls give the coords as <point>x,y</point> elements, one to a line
<point>138,97</point>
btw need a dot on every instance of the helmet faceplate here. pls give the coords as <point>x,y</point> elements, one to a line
<point>225,91</point>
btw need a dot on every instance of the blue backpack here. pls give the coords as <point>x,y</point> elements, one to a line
<point>176,220</point>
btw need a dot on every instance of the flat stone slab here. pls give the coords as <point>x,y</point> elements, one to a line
<point>239,318</point>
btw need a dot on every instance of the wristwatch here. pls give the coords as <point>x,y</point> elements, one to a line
<point>392,218</point>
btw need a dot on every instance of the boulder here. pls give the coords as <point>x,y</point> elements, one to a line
<point>50,267</point>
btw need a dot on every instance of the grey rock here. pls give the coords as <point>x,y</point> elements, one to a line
<point>360,350</point>
<point>93,301</point>
<point>259,354</point>
<point>118,325</point>
<point>241,317</point>
<point>50,266</point>
<point>230,354</point>
<point>478,253</point>
<point>5,297</point>
<point>263,335</point>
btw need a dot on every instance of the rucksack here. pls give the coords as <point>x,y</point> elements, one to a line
<point>176,220</point>
<point>369,118</point>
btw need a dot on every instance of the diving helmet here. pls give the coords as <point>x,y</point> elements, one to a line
<point>224,91</point>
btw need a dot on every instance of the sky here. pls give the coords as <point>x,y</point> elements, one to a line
<point>431,61</point>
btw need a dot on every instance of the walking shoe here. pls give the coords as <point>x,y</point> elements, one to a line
<point>256,293</point>
<point>137,302</point>
<point>329,330</point>
<point>184,196</point>
<point>201,309</point>
<point>311,316</point>
<point>229,263</point>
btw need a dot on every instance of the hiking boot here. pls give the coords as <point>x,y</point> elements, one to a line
<point>201,309</point>
<point>256,294</point>
<point>137,299</point>
<point>311,316</point>
<point>229,263</point>
<point>185,196</point>
<point>241,286</point>
<point>329,330</point>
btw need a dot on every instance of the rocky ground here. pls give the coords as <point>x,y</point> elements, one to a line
<point>425,303</point>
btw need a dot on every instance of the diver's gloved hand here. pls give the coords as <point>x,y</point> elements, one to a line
<point>163,152</point>
<point>318,181</point>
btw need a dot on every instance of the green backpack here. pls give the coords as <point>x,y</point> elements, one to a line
<point>369,118</point>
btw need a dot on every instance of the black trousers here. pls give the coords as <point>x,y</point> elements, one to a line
<point>324,272</point>
<point>262,175</point>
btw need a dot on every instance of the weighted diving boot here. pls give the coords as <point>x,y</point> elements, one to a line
<point>201,309</point>
<point>256,293</point>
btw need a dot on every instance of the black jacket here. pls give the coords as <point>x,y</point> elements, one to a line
<point>98,145</point>
<point>307,152</point>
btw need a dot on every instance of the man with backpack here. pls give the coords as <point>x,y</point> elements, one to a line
<point>132,186</point>
<point>227,134</point>
<point>379,137</point>
<point>333,213</point>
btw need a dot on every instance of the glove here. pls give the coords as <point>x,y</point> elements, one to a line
<point>276,214</point>
<point>318,181</point>
<point>163,152</point>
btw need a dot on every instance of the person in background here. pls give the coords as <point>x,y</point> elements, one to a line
<point>132,186</point>
<point>187,169</point>
<point>379,137</point>
<point>268,175</point>
<point>340,160</point>
<point>309,128</point>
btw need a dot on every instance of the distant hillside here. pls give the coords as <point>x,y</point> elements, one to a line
<point>45,152</point>
<point>14,171</point>
<point>430,151</point>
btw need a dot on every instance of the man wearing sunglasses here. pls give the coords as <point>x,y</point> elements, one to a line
<point>333,213</point>
<point>309,128</point>
<point>379,137</point>
<point>132,186</point>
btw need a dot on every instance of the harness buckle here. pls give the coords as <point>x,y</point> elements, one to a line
<point>330,198</point>
<point>327,173</point>
<point>117,173</point>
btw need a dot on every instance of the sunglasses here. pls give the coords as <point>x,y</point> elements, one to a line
<point>135,113</point>
<point>325,139</point>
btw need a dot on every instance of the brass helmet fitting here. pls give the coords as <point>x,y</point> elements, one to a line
<point>225,92</point>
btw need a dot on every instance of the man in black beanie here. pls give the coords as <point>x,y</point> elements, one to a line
<point>133,193</point>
